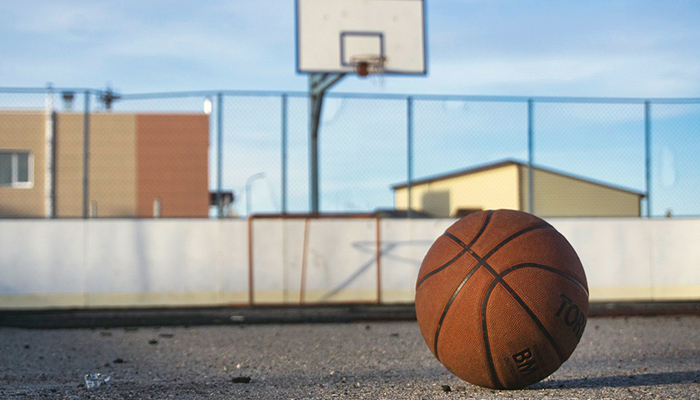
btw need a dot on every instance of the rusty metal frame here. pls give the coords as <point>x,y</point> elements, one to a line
<point>307,218</point>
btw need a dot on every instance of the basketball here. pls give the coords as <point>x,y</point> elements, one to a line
<point>501,299</point>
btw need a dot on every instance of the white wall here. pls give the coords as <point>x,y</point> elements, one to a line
<point>115,263</point>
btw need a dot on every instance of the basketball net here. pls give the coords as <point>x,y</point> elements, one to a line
<point>369,65</point>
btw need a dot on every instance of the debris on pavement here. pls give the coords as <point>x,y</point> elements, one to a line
<point>96,380</point>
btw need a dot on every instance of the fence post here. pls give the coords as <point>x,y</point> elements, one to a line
<point>220,152</point>
<point>86,156</point>
<point>530,155</point>
<point>284,153</point>
<point>647,153</point>
<point>409,155</point>
<point>50,148</point>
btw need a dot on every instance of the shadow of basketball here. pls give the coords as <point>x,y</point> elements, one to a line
<point>649,379</point>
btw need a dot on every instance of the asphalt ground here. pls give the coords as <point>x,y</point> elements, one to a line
<point>617,358</point>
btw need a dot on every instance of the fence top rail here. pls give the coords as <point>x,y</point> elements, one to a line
<point>369,96</point>
<point>314,216</point>
<point>44,90</point>
<point>418,97</point>
<point>212,94</point>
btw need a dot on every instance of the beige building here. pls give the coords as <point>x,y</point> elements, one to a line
<point>140,165</point>
<point>505,185</point>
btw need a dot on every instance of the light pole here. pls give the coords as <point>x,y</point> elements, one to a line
<point>248,186</point>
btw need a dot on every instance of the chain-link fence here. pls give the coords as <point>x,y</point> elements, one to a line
<point>88,153</point>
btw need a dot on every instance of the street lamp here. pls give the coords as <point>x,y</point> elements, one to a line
<point>248,185</point>
<point>207,106</point>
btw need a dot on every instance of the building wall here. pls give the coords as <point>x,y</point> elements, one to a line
<point>134,159</point>
<point>24,131</point>
<point>561,196</point>
<point>489,189</point>
<point>68,179</point>
<point>112,172</point>
<point>173,165</point>
<point>113,164</point>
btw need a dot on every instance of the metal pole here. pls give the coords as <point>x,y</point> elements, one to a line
<point>409,156</point>
<point>316,102</point>
<point>284,153</point>
<point>318,84</point>
<point>86,156</point>
<point>50,157</point>
<point>530,156</point>
<point>647,153</point>
<point>220,153</point>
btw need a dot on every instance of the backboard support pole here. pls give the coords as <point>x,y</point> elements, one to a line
<point>318,84</point>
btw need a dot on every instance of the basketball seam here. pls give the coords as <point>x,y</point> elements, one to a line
<point>543,329</point>
<point>533,316</point>
<point>485,334</point>
<point>481,231</point>
<point>459,243</point>
<point>546,268</point>
<point>447,264</point>
<point>446,308</point>
<point>461,285</point>
<point>482,262</point>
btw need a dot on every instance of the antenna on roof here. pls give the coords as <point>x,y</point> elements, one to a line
<point>108,97</point>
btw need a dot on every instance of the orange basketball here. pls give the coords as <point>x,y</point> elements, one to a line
<point>501,299</point>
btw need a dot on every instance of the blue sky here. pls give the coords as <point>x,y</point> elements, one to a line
<point>611,48</point>
<point>496,47</point>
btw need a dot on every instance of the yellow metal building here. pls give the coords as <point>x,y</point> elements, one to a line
<point>505,185</point>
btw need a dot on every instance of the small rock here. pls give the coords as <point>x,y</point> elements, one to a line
<point>241,379</point>
<point>152,341</point>
<point>118,361</point>
<point>26,346</point>
<point>446,388</point>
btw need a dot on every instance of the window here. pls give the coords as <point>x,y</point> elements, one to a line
<point>16,169</point>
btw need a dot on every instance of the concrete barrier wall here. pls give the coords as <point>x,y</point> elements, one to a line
<point>147,263</point>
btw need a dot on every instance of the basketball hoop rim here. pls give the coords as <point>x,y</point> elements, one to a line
<point>373,63</point>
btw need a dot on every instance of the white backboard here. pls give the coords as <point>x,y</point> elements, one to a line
<point>329,32</point>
